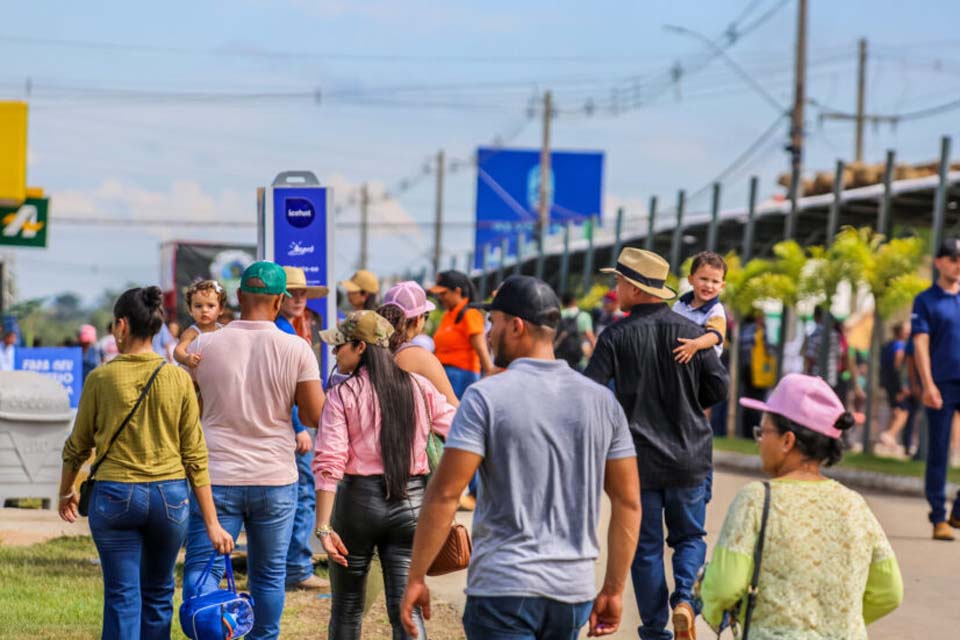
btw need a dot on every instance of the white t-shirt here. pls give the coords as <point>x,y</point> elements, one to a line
<point>248,375</point>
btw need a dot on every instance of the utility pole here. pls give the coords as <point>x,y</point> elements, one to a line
<point>796,120</point>
<point>796,159</point>
<point>544,209</point>
<point>861,97</point>
<point>860,117</point>
<point>438,222</point>
<point>364,223</point>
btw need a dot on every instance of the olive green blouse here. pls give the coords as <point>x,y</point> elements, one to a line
<point>162,441</point>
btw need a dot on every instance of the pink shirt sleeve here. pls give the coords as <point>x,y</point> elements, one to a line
<point>309,369</point>
<point>331,446</point>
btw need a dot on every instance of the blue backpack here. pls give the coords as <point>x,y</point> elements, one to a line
<point>221,614</point>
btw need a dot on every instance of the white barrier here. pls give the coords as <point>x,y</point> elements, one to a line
<point>35,421</point>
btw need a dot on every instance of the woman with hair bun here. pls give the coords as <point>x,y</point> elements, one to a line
<point>826,568</point>
<point>139,506</point>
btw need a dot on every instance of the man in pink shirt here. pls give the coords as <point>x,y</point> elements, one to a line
<point>250,376</point>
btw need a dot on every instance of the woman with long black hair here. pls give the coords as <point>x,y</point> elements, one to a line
<point>370,465</point>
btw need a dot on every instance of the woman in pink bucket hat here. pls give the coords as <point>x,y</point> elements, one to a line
<point>826,568</point>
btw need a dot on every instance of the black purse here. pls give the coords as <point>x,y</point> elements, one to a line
<point>757,557</point>
<point>86,487</point>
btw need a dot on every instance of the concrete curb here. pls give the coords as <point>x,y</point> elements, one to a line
<point>872,481</point>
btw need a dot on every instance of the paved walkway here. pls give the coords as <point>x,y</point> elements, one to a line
<point>931,570</point>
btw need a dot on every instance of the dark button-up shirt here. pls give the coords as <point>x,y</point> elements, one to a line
<point>664,400</point>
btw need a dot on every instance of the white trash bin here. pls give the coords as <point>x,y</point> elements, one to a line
<point>35,421</point>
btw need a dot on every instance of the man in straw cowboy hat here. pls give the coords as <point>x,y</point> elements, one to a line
<point>293,319</point>
<point>664,402</point>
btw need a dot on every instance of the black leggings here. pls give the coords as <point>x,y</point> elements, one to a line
<point>365,521</point>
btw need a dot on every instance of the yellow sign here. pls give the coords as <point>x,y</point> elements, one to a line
<point>13,153</point>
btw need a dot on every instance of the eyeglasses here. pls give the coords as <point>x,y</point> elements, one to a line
<point>758,432</point>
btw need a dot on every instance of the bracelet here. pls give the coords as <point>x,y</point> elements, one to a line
<point>68,496</point>
<point>323,530</point>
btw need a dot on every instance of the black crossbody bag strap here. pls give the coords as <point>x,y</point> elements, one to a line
<point>757,557</point>
<point>143,394</point>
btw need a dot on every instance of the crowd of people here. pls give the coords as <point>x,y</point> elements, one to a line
<point>542,408</point>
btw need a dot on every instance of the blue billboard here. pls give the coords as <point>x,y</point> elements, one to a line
<point>508,194</point>
<point>63,364</point>
<point>296,231</point>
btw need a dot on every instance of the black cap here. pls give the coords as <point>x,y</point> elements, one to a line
<point>449,280</point>
<point>949,248</point>
<point>527,298</point>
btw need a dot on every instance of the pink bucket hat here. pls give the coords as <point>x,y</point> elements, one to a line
<point>410,297</point>
<point>806,400</point>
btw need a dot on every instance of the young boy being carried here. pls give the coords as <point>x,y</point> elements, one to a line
<point>702,305</point>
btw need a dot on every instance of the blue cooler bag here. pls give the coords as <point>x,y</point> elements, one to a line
<point>222,614</point>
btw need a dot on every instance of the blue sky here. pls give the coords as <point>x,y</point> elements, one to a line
<point>122,123</point>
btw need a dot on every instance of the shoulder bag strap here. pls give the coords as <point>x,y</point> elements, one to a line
<point>757,557</point>
<point>146,388</point>
<point>426,403</point>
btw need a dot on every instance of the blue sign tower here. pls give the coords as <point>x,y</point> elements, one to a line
<point>296,230</point>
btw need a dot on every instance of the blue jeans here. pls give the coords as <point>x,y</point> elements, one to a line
<point>939,423</point>
<point>684,509</point>
<point>138,529</point>
<point>460,379</point>
<point>522,618</point>
<point>267,514</point>
<point>300,554</point>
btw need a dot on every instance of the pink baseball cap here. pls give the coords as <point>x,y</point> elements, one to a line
<point>806,400</point>
<point>87,334</point>
<point>410,297</point>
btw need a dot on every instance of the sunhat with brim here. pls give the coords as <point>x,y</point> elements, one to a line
<point>410,298</point>
<point>645,270</point>
<point>362,280</point>
<point>360,326</point>
<point>806,400</point>
<point>297,281</point>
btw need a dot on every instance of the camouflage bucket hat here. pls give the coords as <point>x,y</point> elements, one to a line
<point>363,326</point>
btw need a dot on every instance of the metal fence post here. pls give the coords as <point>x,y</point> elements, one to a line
<point>565,260</point>
<point>750,228</point>
<point>617,239</point>
<point>587,278</point>
<point>518,265</point>
<point>714,218</point>
<point>677,233</point>
<point>651,220</point>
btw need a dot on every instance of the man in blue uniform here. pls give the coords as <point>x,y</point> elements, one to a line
<point>936,340</point>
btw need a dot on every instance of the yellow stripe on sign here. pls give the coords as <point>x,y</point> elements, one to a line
<point>13,152</point>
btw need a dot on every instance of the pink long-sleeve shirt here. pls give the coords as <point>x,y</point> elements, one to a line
<point>348,441</point>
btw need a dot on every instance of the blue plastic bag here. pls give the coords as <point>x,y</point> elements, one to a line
<point>221,614</point>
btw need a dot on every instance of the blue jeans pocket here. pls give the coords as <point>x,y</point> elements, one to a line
<point>176,500</point>
<point>112,499</point>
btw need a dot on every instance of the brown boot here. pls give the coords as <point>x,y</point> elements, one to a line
<point>942,531</point>
<point>954,522</point>
<point>684,626</point>
<point>312,583</point>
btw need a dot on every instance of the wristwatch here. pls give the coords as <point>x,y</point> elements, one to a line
<point>323,531</point>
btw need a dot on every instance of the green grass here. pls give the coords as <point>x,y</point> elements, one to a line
<point>858,461</point>
<point>54,590</point>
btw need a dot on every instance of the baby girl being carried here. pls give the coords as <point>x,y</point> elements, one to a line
<point>205,300</point>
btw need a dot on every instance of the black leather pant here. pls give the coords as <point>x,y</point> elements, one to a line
<point>366,521</point>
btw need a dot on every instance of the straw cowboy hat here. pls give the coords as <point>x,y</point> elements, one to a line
<point>297,281</point>
<point>645,270</point>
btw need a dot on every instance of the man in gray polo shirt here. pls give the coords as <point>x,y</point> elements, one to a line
<point>546,440</point>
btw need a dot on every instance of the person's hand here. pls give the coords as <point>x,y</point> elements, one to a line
<point>222,541</point>
<point>605,616</point>
<point>68,507</point>
<point>932,397</point>
<point>333,545</point>
<point>193,360</point>
<point>417,594</point>
<point>303,442</point>
<point>685,352</point>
